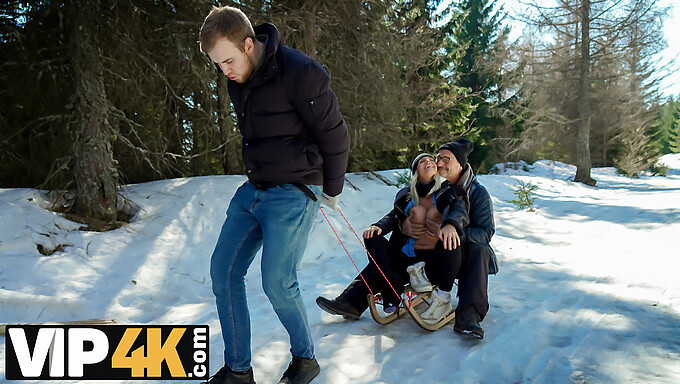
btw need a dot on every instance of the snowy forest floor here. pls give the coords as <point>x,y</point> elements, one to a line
<point>587,290</point>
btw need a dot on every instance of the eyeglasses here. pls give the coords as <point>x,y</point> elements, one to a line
<point>445,159</point>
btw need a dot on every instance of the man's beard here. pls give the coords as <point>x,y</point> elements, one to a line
<point>251,69</point>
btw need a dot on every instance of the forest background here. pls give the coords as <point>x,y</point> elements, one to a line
<point>97,94</point>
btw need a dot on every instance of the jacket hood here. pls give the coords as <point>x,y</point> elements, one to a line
<point>269,64</point>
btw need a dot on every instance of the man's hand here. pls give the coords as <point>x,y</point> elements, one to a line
<point>432,228</point>
<point>411,229</point>
<point>372,230</point>
<point>330,201</point>
<point>449,237</point>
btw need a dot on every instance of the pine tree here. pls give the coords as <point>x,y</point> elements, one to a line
<point>604,48</point>
<point>478,33</point>
<point>136,89</point>
<point>130,86</point>
<point>549,87</point>
<point>662,126</point>
<point>386,64</point>
<point>674,134</point>
<point>95,174</point>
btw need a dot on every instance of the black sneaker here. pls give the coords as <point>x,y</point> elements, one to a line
<point>338,306</point>
<point>300,371</point>
<point>227,376</point>
<point>467,323</point>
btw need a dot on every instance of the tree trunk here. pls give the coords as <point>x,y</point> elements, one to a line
<point>583,162</point>
<point>604,147</point>
<point>229,135</point>
<point>310,30</point>
<point>223,121</point>
<point>95,174</point>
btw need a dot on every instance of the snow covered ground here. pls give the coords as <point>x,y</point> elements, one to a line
<point>587,291</point>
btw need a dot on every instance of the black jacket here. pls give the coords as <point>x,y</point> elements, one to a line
<point>292,128</point>
<point>451,201</point>
<point>482,226</point>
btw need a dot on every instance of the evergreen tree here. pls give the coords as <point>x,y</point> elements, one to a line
<point>386,64</point>
<point>549,96</point>
<point>35,109</point>
<point>674,133</point>
<point>91,82</point>
<point>125,83</point>
<point>642,41</point>
<point>478,33</point>
<point>662,126</point>
<point>604,50</point>
<point>95,174</point>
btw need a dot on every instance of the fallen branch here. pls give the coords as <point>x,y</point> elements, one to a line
<point>383,179</point>
<point>352,185</point>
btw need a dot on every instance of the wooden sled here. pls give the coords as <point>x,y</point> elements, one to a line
<point>73,322</point>
<point>419,320</point>
<point>403,308</point>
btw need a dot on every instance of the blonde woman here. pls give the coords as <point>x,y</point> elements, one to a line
<point>424,260</point>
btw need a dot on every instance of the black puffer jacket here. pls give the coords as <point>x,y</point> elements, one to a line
<point>451,201</point>
<point>482,226</point>
<point>292,128</point>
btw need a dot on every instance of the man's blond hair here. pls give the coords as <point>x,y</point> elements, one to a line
<point>225,22</point>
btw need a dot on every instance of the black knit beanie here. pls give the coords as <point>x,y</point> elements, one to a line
<point>414,163</point>
<point>460,148</point>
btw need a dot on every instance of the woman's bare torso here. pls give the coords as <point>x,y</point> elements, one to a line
<point>425,210</point>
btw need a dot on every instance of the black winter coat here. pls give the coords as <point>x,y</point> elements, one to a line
<point>292,128</point>
<point>451,201</point>
<point>482,226</point>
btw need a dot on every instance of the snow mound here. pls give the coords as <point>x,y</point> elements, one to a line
<point>541,168</point>
<point>672,161</point>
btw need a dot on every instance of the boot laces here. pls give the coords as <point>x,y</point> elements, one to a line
<point>417,272</point>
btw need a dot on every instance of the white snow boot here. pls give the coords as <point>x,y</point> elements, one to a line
<point>440,307</point>
<point>419,281</point>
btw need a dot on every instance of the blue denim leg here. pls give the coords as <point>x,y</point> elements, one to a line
<point>287,215</point>
<point>279,219</point>
<point>239,241</point>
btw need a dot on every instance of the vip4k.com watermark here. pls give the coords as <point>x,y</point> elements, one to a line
<point>107,352</point>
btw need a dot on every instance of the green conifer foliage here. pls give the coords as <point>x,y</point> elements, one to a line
<point>674,135</point>
<point>525,196</point>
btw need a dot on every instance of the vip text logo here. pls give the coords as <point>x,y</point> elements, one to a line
<point>106,352</point>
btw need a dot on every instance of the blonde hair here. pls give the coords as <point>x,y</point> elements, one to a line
<point>225,22</point>
<point>438,180</point>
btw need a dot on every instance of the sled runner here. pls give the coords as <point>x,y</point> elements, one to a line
<point>419,320</point>
<point>409,300</point>
<point>403,308</point>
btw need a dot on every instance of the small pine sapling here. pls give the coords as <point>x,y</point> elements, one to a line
<point>659,169</point>
<point>403,178</point>
<point>525,196</point>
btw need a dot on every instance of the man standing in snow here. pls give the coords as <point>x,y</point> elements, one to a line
<point>295,142</point>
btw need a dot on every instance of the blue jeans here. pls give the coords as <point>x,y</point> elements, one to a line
<point>278,220</point>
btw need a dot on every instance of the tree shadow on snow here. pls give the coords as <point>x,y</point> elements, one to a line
<point>544,326</point>
<point>634,217</point>
<point>560,326</point>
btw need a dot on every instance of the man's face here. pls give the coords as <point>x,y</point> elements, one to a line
<point>235,63</point>
<point>448,166</point>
